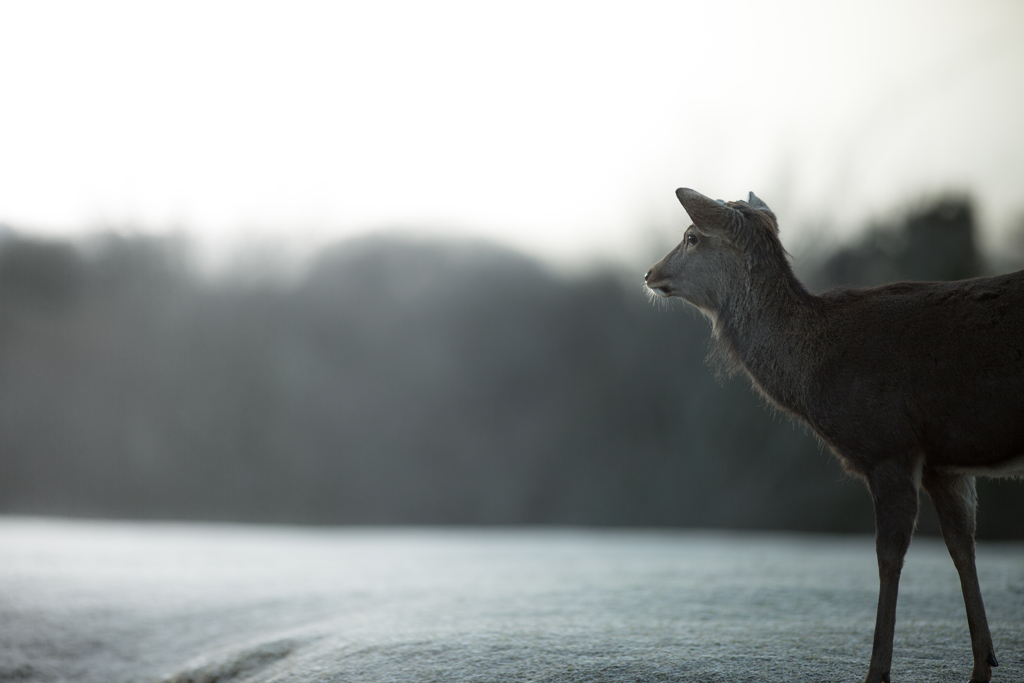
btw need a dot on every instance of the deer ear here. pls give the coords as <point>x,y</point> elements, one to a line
<point>706,213</point>
<point>756,202</point>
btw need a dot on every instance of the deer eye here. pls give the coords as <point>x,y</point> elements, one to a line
<point>691,239</point>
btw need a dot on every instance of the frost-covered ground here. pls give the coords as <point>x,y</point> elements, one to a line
<point>111,602</point>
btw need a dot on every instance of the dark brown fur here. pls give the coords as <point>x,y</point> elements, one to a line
<point>910,384</point>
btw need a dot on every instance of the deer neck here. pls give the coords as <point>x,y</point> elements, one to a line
<point>766,330</point>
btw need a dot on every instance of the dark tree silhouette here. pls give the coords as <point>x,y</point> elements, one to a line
<point>404,381</point>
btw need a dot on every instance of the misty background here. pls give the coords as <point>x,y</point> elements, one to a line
<point>381,263</point>
<point>398,380</point>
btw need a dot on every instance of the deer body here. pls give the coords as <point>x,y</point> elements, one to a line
<point>910,384</point>
<point>888,369</point>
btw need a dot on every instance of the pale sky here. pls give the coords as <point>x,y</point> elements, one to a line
<point>562,128</point>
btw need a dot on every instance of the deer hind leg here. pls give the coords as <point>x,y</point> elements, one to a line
<point>894,491</point>
<point>955,502</point>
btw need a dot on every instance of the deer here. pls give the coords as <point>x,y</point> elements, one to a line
<point>911,384</point>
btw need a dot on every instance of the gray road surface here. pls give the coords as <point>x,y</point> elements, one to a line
<point>112,602</point>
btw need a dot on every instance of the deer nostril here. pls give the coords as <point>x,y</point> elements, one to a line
<point>647,275</point>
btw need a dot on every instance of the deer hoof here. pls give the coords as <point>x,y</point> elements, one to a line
<point>992,659</point>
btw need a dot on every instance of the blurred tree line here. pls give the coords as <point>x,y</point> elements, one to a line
<point>405,381</point>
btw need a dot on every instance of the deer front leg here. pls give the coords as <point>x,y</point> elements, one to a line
<point>955,502</point>
<point>894,491</point>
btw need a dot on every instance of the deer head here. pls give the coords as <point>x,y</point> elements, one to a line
<point>712,261</point>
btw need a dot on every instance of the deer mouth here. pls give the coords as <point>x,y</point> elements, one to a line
<point>661,290</point>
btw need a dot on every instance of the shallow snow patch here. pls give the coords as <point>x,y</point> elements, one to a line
<point>124,602</point>
<point>234,665</point>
